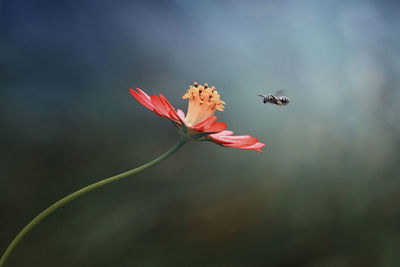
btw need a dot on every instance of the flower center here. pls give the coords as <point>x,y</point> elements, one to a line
<point>203,102</point>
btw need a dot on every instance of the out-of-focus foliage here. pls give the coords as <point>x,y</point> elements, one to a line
<point>325,192</point>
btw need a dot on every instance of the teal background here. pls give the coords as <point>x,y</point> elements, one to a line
<point>324,193</point>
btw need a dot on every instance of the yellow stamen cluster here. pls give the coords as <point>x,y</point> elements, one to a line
<point>203,102</point>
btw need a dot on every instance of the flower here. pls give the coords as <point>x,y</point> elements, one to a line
<point>199,124</point>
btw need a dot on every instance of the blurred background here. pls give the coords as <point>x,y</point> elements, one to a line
<point>325,192</point>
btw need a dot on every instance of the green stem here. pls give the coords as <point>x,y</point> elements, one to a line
<point>82,191</point>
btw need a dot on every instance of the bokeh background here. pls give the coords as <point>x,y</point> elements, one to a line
<point>325,192</point>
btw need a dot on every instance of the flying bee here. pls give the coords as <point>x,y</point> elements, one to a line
<point>278,98</point>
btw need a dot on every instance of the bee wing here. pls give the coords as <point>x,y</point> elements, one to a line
<point>280,93</point>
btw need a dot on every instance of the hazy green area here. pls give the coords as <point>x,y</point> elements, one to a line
<point>325,192</point>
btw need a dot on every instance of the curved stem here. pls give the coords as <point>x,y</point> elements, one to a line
<point>80,192</point>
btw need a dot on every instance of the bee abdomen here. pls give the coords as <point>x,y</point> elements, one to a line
<point>284,100</point>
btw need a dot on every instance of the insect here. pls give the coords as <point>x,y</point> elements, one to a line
<point>278,98</point>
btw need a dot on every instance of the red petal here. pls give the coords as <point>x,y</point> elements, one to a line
<point>223,133</point>
<point>225,138</point>
<point>142,98</point>
<point>239,139</point>
<point>244,143</point>
<point>219,137</point>
<point>216,127</point>
<point>206,123</point>
<point>143,93</point>
<point>159,106</point>
<point>257,146</point>
<point>171,111</point>
<point>181,114</point>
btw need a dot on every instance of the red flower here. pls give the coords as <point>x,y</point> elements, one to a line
<point>199,124</point>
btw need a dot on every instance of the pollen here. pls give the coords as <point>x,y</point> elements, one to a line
<point>203,102</point>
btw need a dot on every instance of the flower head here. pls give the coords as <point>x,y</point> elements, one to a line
<point>199,123</point>
<point>203,102</point>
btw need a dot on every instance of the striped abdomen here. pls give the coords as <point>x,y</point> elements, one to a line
<point>278,100</point>
<point>281,100</point>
